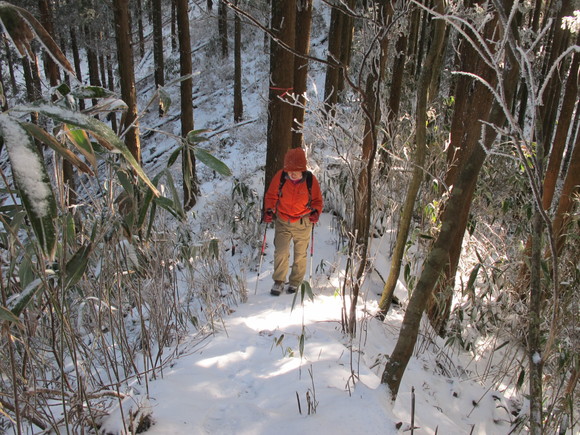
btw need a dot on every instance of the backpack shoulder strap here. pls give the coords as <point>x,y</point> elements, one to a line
<point>309,185</point>
<point>282,181</point>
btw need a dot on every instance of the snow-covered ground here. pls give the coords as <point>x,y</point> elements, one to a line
<point>250,377</point>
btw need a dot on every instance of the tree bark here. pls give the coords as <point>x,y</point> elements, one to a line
<point>302,46</point>
<point>46,20</point>
<point>77,61</point>
<point>10,61</point>
<point>553,85</point>
<point>190,186</point>
<point>173,25</point>
<point>280,109</point>
<point>346,30</point>
<point>570,190</point>
<point>158,45</point>
<point>562,128</point>
<point>92,60</point>
<point>140,31</point>
<point>223,28</point>
<point>238,102</point>
<point>332,68</point>
<point>127,74</point>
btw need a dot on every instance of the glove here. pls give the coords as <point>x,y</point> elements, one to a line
<point>314,216</point>
<point>268,216</point>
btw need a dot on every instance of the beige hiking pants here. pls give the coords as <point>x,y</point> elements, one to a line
<point>285,232</point>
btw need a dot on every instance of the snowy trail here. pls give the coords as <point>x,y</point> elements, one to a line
<point>240,382</point>
<point>245,378</point>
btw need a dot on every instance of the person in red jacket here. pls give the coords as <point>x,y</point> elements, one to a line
<point>294,200</point>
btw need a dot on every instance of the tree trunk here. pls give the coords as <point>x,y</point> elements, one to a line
<point>10,61</point>
<point>333,66</point>
<point>412,47</point>
<point>436,260</point>
<point>570,190</point>
<point>553,85</point>
<point>280,110</point>
<point>158,46</point>
<point>140,31</point>
<point>77,62</point>
<point>562,129</point>
<point>303,26</point>
<point>363,190</point>
<point>50,66</point>
<point>238,103</point>
<point>173,26</point>
<point>92,60</point>
<point>223,28</point>
<point>346,31</point>
<point>418,162</point>
<point>394,103</point>
<point>127,74</point>
<point>190,187</point>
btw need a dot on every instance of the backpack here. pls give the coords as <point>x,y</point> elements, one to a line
<point>308,185</point>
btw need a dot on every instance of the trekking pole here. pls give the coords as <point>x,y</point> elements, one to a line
<point>311,251</point>
<point>261,258</point>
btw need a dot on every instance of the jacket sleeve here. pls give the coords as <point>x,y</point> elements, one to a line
<point>317,202</point>
<point>271,196</point>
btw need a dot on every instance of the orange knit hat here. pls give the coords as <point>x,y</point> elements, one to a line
<point>295,160</point>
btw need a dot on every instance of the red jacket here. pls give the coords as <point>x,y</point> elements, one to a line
<point>293,201</point>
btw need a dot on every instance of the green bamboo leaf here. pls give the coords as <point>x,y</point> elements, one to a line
<point>146,202</point>
<point>19,304</point>
<point>173,157</point>
<point>179,79</point>
<point>77,265</point>
<point>49,140</point>
<point>80,139</point>
<point>126,182</point>
<point>301,344</point>
<point>308,290</point>
<point>279,340</point>
<point>90,92</point>
<point>168,205</point>
<point>195,137</point>
<point>176,201</point>
<point>8,315</point>
<point>97,128</point>
<point>212,162</point>
<point>32,181</point>
<point>470,288</point>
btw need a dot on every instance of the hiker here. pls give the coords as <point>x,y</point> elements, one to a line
<point>294,200</point>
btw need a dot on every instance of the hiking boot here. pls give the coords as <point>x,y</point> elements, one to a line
<point>277,288</point>
<point>291,289</point>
